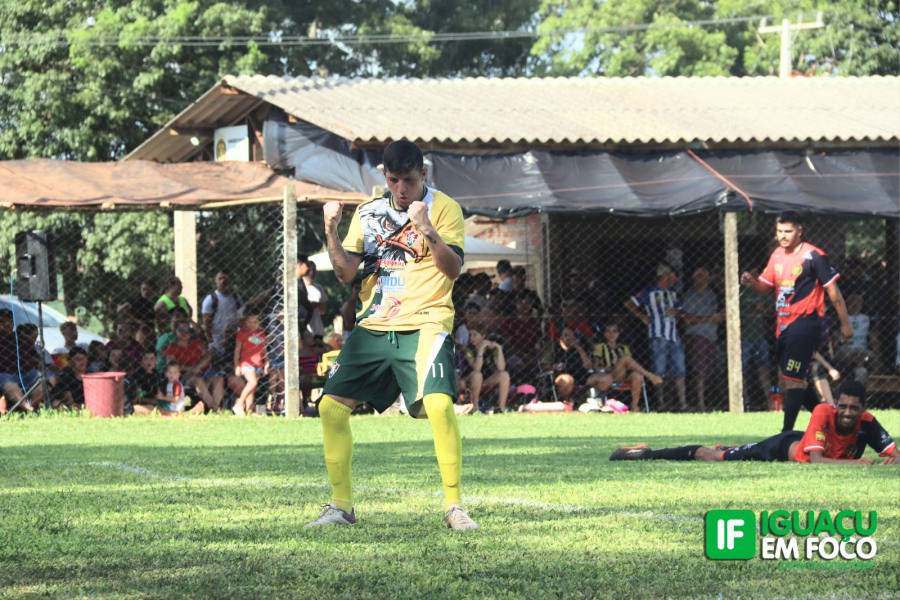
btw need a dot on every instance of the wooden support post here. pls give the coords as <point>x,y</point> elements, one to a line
<point>291,307</point>
<point>733,316</point>
<point>186,256</point>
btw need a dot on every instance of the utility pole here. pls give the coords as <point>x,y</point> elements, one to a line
<point>785,29</point>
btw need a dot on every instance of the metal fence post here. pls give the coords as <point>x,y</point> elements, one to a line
<point>733,316</point>
<point>291,324</point>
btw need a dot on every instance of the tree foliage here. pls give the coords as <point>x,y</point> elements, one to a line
<point>860,38</point>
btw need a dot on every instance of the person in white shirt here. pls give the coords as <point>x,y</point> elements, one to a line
<point>318,298</point>
<point>221,308</point>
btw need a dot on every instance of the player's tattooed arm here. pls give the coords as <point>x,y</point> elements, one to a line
<point>446,260</point>
<point>344,265</point>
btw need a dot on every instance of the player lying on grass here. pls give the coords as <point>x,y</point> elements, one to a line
<point>836,434</point>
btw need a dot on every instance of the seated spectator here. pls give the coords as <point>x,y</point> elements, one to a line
<point>503,304</point>
<point>504,273</point>
<point>69,332</point>
<point>486,367</point>
<point>856,353</point>
<point>146,337</point>
<point>348,308</point>
<point>192,357</point>
<point>462,289</point>
<point>29,333</point>
<point>221,307</point>
<point>69,390</point>
<point>251,361</point>
<point>334,341</point>
<point>125,341</point>
<point>19,366</point>
<point>169,301</point>
<point>309,368</point>
<point>97,354</point>
<point>571,364</point>
<point>113,362</point>
<point>613,363</point>
<point>170,395</point>
<point>481,289</point>
<point>469,320</point>
<point>522,337</point>
<point>166,339</point>
<point>573,317</point>
<point>142,385</point>
<point>140,309</point>
<point>819,372</point>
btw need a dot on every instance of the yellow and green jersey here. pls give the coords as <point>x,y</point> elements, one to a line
<point>402,289</point>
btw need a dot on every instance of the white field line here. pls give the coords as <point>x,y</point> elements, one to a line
<point>566,508</point>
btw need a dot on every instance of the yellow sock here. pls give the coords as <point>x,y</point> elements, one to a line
<point>447,444</point>
<point>338,441</point>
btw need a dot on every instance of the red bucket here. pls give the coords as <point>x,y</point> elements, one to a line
<point>104,394</point>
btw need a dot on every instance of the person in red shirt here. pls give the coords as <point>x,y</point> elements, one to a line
<point>800,273</point>
<point>192,355</point>
<point>250,361</point>
<point>835,435</point>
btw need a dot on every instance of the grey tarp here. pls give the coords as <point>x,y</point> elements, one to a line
<point>850,183</point>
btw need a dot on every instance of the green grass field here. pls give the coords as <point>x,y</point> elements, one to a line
<point>215,507</point>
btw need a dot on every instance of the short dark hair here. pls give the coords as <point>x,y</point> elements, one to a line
<point>403,156</point>
<point>792,217</point>
<point>147,351</point>
<point>302,258</point>
<point>26,328</point>
<point>852,387</point>
<point>150,282</point>
<point>503,266</point>
<point>5,313</point>
<point>224,271</point>
<point>77,351</point>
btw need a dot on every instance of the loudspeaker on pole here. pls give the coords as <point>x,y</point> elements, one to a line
<point>36,264</point>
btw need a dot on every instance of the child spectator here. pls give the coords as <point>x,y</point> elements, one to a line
<point>113,362</point>
<point>69,390</point>
<point>250,361</point>
<point>69,332</point>
<point>191,354</point>
<point>19,363</point>
<point>141,387</point>
<point>96,356</point>
<point>170,396</point>
<point>164,340</point>
<point>28,332</point>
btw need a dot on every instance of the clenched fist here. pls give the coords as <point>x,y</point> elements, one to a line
<point>332,212</point>
<point>418,215</point>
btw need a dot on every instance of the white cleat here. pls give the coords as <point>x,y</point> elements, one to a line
<point>458,519</point>
<point>332,515</point>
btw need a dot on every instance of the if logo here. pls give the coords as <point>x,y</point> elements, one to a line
<point>730,534</point>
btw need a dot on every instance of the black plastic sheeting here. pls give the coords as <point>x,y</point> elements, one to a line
<point>846,183</point>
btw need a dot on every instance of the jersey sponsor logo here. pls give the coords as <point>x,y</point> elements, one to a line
<point>820,436</point>
<point>390,284</point>
<point>391,265</point>
<point>253,339</point>
<point>797,269</point>
<point>408,240</point>
<point>389,308</point>
<point>333,370</point>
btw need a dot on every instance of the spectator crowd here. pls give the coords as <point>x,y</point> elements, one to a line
<point>658,346</point>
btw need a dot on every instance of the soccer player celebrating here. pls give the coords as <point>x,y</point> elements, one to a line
<point>411,242</point>
<point>801,274</point>
<point>836,435</point>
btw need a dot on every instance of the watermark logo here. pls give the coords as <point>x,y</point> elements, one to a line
<point>730,534</point>
<point>792,536</point>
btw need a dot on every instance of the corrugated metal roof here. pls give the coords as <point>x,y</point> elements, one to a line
<point>578,111</point>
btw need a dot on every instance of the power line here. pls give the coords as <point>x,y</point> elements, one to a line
<point>62,39</point>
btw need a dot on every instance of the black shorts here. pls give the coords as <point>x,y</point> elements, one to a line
<point>775,448</point>
<point>796,345</point>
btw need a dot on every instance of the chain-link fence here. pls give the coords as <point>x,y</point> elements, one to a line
<point>593,297</point>
<point>151,287</point>
<point>563,313</point>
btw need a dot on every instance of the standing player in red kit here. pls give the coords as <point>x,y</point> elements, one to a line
<point>801,274</point>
